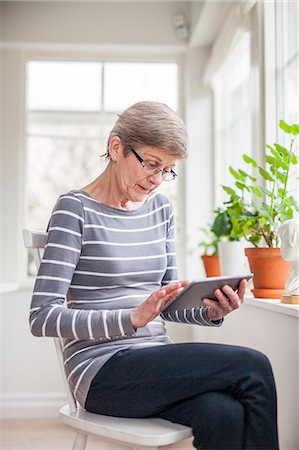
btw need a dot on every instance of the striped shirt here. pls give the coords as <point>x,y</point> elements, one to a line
<point>104,262</point>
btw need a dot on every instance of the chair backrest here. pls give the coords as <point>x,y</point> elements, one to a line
<point>36,241</point>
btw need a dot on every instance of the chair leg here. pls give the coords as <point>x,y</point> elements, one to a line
<point>80,441</point>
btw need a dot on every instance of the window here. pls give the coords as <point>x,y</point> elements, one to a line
<point>71,108</point>
<point>232,130</point>
<point>287,72</point>
<point>287,60</point>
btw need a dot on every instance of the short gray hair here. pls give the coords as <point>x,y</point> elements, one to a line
<point>153,124</point>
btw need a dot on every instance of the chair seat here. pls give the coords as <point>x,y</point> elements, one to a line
<point>147,432</point>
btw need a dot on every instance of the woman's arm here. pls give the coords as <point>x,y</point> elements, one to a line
<point>48,316</point>
<point>198,316</point>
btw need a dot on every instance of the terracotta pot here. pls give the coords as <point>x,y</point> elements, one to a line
<point>212,265</point>
<point>270,271</point>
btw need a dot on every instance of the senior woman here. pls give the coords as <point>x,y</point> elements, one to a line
<point>110,251</point>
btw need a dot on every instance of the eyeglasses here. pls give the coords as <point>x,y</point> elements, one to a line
<point>153,169</point>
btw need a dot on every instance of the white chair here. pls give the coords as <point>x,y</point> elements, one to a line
<point>114,432</point>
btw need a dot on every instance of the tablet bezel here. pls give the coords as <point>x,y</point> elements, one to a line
<point>192,296</point>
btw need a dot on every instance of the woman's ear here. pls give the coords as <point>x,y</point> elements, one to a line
<point>114,148</point>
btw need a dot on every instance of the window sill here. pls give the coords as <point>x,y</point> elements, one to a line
<point>273,305</point>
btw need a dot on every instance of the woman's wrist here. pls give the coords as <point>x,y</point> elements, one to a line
<point>133,318</point>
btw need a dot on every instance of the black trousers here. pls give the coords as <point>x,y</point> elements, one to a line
<point>225,393</point>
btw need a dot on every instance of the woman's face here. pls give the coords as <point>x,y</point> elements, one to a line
<point>133,183</point>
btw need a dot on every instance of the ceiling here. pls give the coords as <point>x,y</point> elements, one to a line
<point>203,18</point>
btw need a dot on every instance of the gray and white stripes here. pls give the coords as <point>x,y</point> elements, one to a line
<point>105,261</point>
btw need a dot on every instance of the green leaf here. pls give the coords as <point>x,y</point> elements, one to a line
<point>228,190</point>
<point>281,192</point>
<point>246,175</point>
<point>222,225</point>
<point>241,186</point>
<point>266,191</point>
<point>235,174</point>
<point>270,160</point>
<point>294,158</point>
<point>276,154</point>
<point>284,153</point>
<point>265,207</point>
<point>239,175</point>
<point>282,177</point>
<point>293,202</point>
<point>285,127</point>
<point>295,129</point>
<point>249,160</point>
<point>256,190</point>
<point>266,175</point>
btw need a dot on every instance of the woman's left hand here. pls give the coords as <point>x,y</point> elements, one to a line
<point>228,301</point>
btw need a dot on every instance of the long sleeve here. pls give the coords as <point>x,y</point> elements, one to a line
<point>197,316</point>
<point>48,315</point>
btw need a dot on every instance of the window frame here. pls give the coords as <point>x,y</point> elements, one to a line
<point>23,279</point>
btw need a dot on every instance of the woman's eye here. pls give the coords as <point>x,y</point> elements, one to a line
<point>152,165</point>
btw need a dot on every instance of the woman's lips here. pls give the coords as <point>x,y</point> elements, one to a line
<point>143,189</point>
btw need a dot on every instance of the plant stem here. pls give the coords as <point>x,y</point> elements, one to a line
<point>287,172</point>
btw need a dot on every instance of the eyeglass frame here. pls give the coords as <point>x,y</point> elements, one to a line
<point>146,164</point>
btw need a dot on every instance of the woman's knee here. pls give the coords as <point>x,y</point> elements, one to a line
<point>218,421</point>
<point>258,361</point>
<point>221,409</point>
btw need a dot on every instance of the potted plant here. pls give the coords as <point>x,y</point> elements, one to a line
<point>263,207</point>
<point>210,256</point>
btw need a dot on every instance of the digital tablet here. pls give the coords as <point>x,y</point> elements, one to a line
<point>196,291</point>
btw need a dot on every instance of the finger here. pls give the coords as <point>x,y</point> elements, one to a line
<point>230,297</point>
<point>242,289</point>
<point>223,300</point>
<point>215,310</point>
<point>155,299</point>
<point>158,294</point>
<point>185,283</point>
<point>224,303</point>
<point>170,296</point>
<point>172,287</point>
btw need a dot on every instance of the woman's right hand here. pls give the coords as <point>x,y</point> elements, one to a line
<point>155,304</point>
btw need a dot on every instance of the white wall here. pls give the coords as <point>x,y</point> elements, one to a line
<point>31,381</point>
<point>13,156</point>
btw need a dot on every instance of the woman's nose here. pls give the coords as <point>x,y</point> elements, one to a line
<point>156,178</point>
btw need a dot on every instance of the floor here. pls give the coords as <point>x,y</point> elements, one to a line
<point>49,434</point>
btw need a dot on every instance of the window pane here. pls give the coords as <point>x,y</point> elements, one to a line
<point>232,115</point>
<point>66,163</point>
<point>128,83</point>
<point>292,26</point>
<point>63,86</point>
<point>67,130</point>
<point>291,80</point>
<point>287,61</point>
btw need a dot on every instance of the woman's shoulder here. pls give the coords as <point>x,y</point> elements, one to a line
<point>161,202</point>
<point>77,195</point>
<point>160,198</point>
<point>69,201</point>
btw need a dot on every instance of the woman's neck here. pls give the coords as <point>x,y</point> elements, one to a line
<point>106,190</point>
